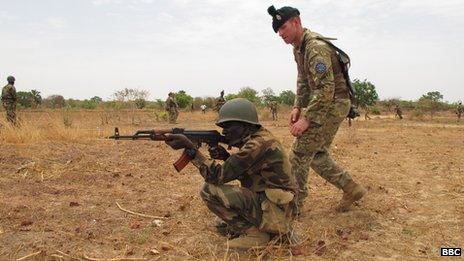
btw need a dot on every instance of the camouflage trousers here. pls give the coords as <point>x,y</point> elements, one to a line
<point>239,207</point>
<point>10,109</point>
<point>242,208</point>
<point>274,115</point>
<point>312,150</point>
<point>173,113</point>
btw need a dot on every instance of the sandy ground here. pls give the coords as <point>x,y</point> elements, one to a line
<point>58,198</point>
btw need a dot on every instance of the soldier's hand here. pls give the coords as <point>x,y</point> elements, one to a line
<point>219,153</point>
<point>294,115</point>
<point>178,141</point>
<point>299,127</point>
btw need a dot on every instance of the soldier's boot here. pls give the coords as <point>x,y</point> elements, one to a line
<point>226,230</point>
<point>352,192</point>
<point>252,238</point>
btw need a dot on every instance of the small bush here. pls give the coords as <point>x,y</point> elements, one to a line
<point>375,111</point>
<point>417,114</point>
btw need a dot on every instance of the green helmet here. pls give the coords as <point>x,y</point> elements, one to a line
<point>10,79</point>
<point>238,109</point>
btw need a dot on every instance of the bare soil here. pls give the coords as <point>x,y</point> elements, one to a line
<point>58,198</point>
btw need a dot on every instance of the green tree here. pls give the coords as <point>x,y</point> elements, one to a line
<point>36,97</point>
<point>366,94</point>
<point>228,97</point>
<point>268,96</point>
<point>250,94</point>
<point>96,99</point>
<point>431,101</point>
<point>287,97</point>
<point>25,99</point>
<point>183,99</point>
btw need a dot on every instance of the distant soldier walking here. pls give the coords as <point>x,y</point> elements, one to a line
<point>398,112</point>
<point>220,101</point>
<point>459,110</point>
<point>171,107</point>
<point>9,100</point>
<point>273,108</point>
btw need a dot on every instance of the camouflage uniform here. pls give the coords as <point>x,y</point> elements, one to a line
<point>9,102</point>
<point>398,112</point>
<point>171,107</point>
<point>459,111</point>
<point>262,167</point>
<point>319,75</point>
<point>219,102</point>
<point>273,108</point>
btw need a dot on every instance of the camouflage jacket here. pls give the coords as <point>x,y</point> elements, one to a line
<point>8,93</point>
<point>459,109</point>
<point>219,102</point>
<point>261,163</point>
<point>273,106</point>
<point>170,104</point>
<point>320,77</point>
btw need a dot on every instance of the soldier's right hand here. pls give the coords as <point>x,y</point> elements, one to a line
<point>219,153</point>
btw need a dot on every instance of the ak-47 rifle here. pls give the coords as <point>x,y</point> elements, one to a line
<point>211,137</point>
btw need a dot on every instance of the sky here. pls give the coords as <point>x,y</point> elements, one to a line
<point>85,48</point>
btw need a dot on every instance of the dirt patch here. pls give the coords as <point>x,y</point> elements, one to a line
<point>58,198</point>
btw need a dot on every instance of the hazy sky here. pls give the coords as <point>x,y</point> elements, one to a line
<point>86,48</point>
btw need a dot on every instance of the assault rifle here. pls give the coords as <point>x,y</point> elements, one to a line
<point>210,137</point>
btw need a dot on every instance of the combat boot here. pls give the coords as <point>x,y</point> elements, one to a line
<point>351,192</point>
<point>252,238</point>
<point>226,230</point>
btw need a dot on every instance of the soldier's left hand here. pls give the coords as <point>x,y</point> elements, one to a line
<point>299,127</point>
<point>219,153</point>
<point>178,141</point>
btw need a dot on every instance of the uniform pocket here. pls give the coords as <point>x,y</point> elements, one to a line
<point>275,218</point>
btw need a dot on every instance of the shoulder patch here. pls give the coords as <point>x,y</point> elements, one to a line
<point>321,67</point>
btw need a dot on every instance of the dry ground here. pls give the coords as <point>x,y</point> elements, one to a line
<point>59,187</point>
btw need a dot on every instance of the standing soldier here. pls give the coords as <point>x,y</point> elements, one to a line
<point>398,112</point>
<point>9,100</point>
<point>219,102</point>
<point>459,110</point>
<point>264,205</point>
<point>273,108</point>
<point>171,107</point>
<point>322,102</point>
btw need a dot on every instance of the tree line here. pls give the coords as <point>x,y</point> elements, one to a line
<point>367,100</point>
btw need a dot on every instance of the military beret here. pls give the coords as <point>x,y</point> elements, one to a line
<point>280,16</point>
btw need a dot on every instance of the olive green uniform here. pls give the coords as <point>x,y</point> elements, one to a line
<point>398,112</point>
<point>219,102</point>
<point>459,111</point>
<point>266,197</point>
<point>323,97</point>
<point>273,108</point>
<point>9,102</point>
<point>171,107</point>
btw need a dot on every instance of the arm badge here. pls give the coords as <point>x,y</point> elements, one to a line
<point>321,67</point>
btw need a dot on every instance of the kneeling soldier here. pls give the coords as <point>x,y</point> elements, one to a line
<point>264,205</point>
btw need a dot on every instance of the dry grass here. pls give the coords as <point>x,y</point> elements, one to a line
<point>59,185</point>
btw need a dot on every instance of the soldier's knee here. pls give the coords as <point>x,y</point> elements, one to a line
<point>208,192</point>
<point>319,156</point>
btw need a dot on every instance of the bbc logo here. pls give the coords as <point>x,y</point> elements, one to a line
<point>450,251</point>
